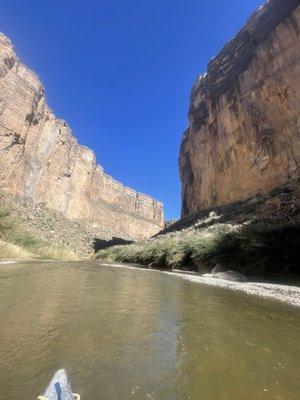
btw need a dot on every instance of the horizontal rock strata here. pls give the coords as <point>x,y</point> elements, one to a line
<point>41,160</point>
<point>244,118</point>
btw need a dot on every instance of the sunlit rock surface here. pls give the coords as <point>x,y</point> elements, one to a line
<point>40,159</point>
<point>243,137</point>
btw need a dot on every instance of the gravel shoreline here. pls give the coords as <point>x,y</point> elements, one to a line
<point>287,294</point>
<point>284,293</point>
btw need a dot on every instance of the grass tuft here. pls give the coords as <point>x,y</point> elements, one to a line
<point>15,242</point>
<point>11,251</point>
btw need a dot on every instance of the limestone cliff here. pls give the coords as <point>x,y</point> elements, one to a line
<point>40,159</point>
<point>244,118</point>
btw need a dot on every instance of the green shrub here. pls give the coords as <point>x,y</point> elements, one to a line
<point>169,252</point>
<point>254,249</point>
<point>261,249</point>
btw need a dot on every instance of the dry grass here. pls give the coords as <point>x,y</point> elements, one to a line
<point>17,243</point>
<point>11,251</point>
<point>54,253</point>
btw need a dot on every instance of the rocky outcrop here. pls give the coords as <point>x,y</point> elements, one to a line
<point>41,160</point>
<point>244,118</point>
<point>280,206</point>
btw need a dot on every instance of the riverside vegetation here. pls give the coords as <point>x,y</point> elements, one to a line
<point>17,243</point>
<point>260,236</point>
<point>260,249</point>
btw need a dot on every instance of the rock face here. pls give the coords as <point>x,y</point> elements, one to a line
<point>41,160</point>
<point>244,117</point>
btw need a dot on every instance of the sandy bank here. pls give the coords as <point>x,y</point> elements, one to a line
<point>285,293</point>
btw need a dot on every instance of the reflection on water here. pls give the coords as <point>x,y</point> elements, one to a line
<point>136,334</point>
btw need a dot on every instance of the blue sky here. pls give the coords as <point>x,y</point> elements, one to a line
<point>120,73</point>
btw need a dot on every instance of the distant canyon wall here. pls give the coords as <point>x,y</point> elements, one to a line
<point>41,160</point>
<point>244,117</point>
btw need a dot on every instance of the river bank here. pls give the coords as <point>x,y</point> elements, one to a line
<point>282,292</point>
<point>256,237</point>
<point>17,241</point>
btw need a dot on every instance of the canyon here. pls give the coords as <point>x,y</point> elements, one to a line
<point>243,137</point>
<point>239,160</point>
<point>92,278</point>
<point>42,163</point>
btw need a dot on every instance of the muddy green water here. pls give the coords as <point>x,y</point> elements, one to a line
<point>135,334</point>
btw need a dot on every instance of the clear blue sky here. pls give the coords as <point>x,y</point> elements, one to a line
<point>120,73</point>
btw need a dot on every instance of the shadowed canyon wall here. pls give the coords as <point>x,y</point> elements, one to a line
<point>41,160</point>
<point>244,117</point>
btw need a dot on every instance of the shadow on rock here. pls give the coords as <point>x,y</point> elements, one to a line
<point>100,244</point>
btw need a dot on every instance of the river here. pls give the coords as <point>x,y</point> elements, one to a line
<point>125,333</point>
